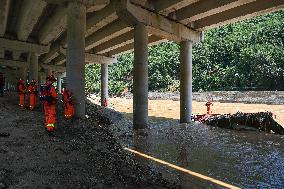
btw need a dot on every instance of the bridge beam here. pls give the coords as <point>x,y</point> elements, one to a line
<point>13,63</point>
<point>101,18</point>
<point>115,43</point>
<point>152,40</point>
<point>204,8</point>
<point>4,12</point>
<point>23,46</point>
<point>246,11</point>
<point>54,26</point>
<point>53,53</point>
<point>60,60</point>
<point>107,33</point>
<point>50,68</point>
<point>168,6</point>
<point>157,24</point>
<point>28,17</point>
<point>94,58</point>
<point>96,21</point>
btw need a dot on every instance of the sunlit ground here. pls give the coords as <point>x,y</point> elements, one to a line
<point>170,108</point>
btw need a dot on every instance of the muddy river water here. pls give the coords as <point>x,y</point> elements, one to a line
<point>244,159</point>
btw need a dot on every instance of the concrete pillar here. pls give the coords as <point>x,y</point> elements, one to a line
<point>33,73</point>
<point>59,88</point>
<point>104,83</point>
<point>48,72</point>
<point>140,77</point>
<point>23,73</point>
<point>185,81</point>
<point>75,67</point>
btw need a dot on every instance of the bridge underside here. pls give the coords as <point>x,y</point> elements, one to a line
<point>61,36</point>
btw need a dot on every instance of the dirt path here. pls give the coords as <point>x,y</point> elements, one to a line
<point>170,108</point>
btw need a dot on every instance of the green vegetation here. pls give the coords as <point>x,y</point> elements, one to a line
<point>248,55</point>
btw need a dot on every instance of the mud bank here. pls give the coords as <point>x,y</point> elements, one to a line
<point>261,121</point>
<point>254,97</point>
<point>81,153</point>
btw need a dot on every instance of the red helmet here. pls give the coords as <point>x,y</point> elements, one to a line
<point>21,81</point>
<point>51,78</point>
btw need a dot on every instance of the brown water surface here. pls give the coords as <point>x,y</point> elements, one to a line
<point>170,108</point>
<point>242,158</point>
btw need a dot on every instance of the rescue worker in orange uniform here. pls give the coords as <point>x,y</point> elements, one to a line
<point>49,104</point>
<point>208,105</point>
<point>32,89</point>
<point>68,104</point>
<point>105,103</point>
<point>21,91</point>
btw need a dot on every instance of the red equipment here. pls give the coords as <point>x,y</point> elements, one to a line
<point>208,105</point>
<point>203,117</point>
<point>105,102</point>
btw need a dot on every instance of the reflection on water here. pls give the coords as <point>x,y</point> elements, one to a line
<point>244,159</point>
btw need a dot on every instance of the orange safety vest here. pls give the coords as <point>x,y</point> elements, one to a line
<point>32,89</point>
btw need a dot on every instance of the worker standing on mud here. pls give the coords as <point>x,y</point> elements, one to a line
<point>68,104</point>
<point>2,84</point>
<point>21,88</point>
<point>48,96</point>
<point>208,105</point>
<point>32,89</point>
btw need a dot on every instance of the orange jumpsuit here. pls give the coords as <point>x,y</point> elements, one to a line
<point>33,92</point>
<point>208,105</point>
<point>21,91</point>
<point>49,109</point>
<point>68,104</point>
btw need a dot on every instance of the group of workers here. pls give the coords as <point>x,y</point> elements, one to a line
<point>48,96</point>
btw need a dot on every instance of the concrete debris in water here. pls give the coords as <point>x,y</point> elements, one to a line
<point>261,121</point>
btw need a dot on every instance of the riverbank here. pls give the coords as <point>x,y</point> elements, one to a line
<point>248,97</point>
<point>81,153</point>
<point>169,109</point>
